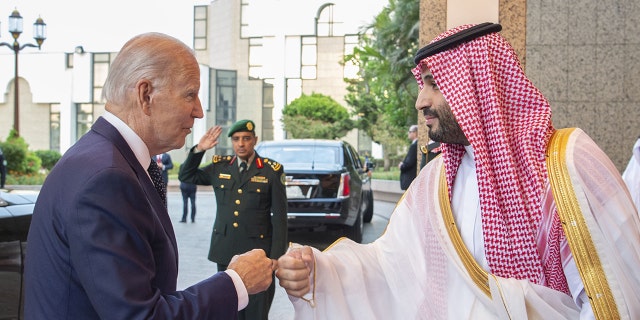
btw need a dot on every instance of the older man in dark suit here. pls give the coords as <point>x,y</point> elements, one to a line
<point>101,244</point>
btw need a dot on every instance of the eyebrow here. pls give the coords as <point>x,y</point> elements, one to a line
<point>427,76</point>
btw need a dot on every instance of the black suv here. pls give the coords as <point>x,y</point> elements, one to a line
<point>327,185</point>
<point>16,209</point>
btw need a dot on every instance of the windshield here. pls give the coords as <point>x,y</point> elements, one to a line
<point>302,154</point>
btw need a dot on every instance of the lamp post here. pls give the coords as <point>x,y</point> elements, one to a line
<point>39,34</point>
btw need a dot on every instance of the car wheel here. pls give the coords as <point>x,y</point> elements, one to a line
<point>368,211</point>
<point>355,232</point>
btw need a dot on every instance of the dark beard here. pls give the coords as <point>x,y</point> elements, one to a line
<point>448,129</point>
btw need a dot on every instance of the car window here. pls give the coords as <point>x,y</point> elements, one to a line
<point>301,154</point>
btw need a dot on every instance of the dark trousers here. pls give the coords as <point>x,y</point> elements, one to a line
<point>259,304</point>
<point>186,197</point>
<point>3,175</point>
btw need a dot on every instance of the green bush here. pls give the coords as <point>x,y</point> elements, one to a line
<point>32,163</point>
<point>49,158</point>
<point>15,152</point>
<point>25,179</point>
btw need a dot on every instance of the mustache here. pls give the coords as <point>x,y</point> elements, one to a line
<point>429,112</point>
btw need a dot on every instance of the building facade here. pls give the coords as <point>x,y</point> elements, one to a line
<point>255,58</point>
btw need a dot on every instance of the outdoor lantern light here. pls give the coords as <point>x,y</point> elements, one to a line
<point>39,34</point>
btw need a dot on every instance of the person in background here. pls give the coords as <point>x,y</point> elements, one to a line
<point>631,174</point>
<point>165,164</point>
<point>188,191</point>
<point>408,166</point>
<point>429,152</point>
<point>514,220</point>
<point>3,169</point>
<point>251,202</point>
<point>101,243</point>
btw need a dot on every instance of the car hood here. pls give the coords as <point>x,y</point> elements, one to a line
<point>17,203</point>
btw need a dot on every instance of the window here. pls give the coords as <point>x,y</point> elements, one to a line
<point>54,127</point>
<point>84,119</point>
<point>309,57</point>
<point>324,20</point>
<point>68,57</point>
<point>200,15</point>
<point>225,103</point>
<point>350,70</point>
<point>256,56</point>
<point>101,63</point>
<point>267,110</point>
<point>294,89</point>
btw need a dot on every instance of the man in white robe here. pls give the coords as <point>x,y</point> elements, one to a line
<point>631,174</point>
<point>515,220</point>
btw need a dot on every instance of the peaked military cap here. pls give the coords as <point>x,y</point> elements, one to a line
<point>453,40</point>
<point>242,126</point>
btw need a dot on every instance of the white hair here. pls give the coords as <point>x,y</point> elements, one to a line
<point>150,56</point>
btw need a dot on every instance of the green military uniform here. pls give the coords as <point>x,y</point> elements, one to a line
<point>245,202</point>
<point>251,212</point>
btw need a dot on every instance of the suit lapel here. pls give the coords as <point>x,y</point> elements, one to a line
<point>107,130</point>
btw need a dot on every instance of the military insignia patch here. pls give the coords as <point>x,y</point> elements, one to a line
<point>249,126</point>
<point>283,178</point>
<point>275,166</point>
<point>216,159</point>
<point>259,179</point>
<point>224,176</point>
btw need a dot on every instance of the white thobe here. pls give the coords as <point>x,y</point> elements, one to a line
<point>413,270</point>
<point>631,174</point>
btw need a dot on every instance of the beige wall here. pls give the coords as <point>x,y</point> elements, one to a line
<point>584,58</point>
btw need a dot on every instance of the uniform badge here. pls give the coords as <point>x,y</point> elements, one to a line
<point>224,176</point>
<point>283,178</point>
<point>259,179</point>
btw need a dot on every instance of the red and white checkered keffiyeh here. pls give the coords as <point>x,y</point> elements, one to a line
<point>508,123</point>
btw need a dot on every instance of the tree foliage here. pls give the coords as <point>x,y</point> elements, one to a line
<point>316,116</point>
<point>384,94</point>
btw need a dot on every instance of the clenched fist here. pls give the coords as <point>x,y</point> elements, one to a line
<point>255,269</point>
<point>294,270</point>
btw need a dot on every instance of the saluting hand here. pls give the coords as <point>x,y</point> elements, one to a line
<point>210,138</point>
<point>294,270</point>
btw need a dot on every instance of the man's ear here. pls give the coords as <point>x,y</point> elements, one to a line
<point>143,94</point>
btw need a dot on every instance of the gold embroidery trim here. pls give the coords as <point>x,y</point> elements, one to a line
<point>477,274</point>
<point>576,230</point>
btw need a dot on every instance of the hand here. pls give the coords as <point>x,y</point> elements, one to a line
<point>210,138</point>
<point>294,270</point>
<point>255,270</point>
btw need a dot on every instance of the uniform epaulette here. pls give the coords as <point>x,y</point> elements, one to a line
<point>219,158</point>
<point>273,164</point>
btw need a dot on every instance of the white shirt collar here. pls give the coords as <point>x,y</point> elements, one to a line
<point>139,148</point>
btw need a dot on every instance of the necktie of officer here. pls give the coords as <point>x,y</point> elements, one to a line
<point>243,167</point>
<point>156,178</point>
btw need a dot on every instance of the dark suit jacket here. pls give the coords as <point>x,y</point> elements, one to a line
<point>168,165</point>
<point>101,244</point>
<point>245,204</point>
<point>409,166</point>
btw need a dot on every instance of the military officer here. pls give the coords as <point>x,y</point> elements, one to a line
<point>251,201</point>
